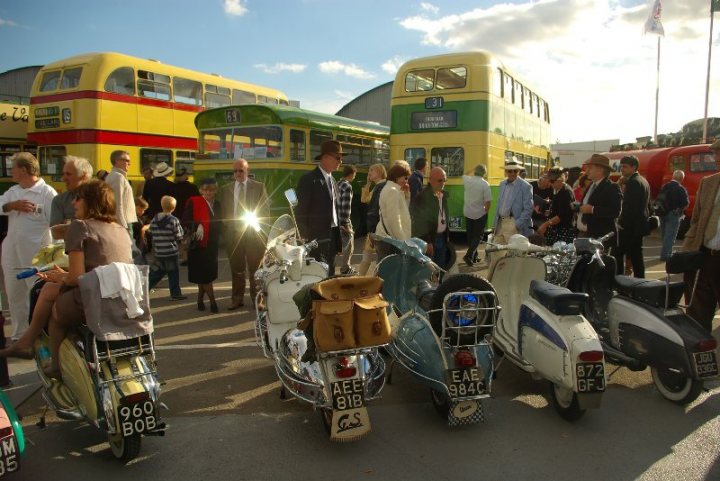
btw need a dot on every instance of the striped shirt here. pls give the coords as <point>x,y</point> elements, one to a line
<point>344,203</point>
<point>166,234</point>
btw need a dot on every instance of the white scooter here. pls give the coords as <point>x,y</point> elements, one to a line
<point>541,329</point>
<point>338,383</point>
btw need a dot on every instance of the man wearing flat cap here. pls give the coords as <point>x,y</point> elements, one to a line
<point>704,235</point>
<point>602,202</point>
<point>316,212</point>
<point>633,221</point>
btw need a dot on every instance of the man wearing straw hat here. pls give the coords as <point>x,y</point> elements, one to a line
<point>157,188</point>
<point>515,204</point>
<point>601,204</point>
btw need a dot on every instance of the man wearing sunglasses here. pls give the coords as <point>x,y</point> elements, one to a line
<point>244,245</point>
<point>515,205</point>
<point>430,218</point>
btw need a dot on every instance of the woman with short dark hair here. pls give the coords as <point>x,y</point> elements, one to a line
<point>559,227</point>
<point>395,219</point>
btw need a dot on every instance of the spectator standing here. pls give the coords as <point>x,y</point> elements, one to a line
<point>184,189</point>
<point>559,226</point>
<point>430,217</point>
<point>166,233</point>
<point>633,221</point>
<point>370,195</point>
<point>141,227</point>
<point>27,205</point>
<point>417,178</point>
<point>704,235</point>
<point>244,245</point>
<point>601,204</point>
<point>675,201</point>
<point>203,215</point>
<point>515,205</point>
<point>316,212</point>
<point>478,198</point>
<point>76,171</point>
<point>139,186</point>
<point>347,233</point>
<point>583,184</point>
<point>394,218</point>
<point>102,174</point>
<point>124,199</point>
<point>157,188</point>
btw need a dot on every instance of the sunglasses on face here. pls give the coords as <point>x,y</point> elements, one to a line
<point>441,181</point>
<point>512,171</point>
<point>239,170</point>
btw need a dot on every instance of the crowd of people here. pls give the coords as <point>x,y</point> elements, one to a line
<point>105,219</point>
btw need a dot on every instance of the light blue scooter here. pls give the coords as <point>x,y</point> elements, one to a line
<point>440,333</point>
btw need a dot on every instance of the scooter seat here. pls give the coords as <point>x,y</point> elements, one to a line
<point>649,291</point>
<point>558,300</point>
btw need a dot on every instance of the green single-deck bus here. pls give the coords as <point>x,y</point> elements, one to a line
<point>462,109</point>
<point>280,143</point>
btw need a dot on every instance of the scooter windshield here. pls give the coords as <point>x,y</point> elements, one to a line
<point>403,272</point>
<point>282,231</point>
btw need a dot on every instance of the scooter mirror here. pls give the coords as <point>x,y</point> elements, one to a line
<point>291,197</point>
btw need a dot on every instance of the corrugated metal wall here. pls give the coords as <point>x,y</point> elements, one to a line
<point>372,106</point>
<point>15,84</point>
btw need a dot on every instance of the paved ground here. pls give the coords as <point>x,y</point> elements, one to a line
<point>226,419</point>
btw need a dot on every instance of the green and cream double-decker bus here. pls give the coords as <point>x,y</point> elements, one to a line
<point>463,109</point>
<point>280,143</point>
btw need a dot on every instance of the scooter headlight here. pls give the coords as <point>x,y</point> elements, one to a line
<point>462,309</point>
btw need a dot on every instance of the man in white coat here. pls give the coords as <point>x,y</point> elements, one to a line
<point>124,200</point>
<point>27,205</point>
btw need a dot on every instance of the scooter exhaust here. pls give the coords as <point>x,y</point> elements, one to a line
<point>614,356</point>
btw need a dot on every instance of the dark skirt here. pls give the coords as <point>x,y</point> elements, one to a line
<point>564,234</point>
<point>69,305</point>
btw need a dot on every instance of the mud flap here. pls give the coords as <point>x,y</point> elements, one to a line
<point>350,424</point>
<point>463,413</point>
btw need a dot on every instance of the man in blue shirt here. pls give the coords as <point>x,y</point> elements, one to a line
<point>417,178</point>
<point>675,200</point>
<point>515,205</point>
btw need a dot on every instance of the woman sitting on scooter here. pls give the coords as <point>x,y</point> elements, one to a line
<point>559,227</point>
<point>93,239</point>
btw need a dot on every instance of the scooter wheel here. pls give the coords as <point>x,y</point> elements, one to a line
<point>565,402</point>
<point>676,387</point>
<point>441,403</point>
<point>125,448</point>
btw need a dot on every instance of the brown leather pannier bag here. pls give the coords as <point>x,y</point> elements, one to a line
<point>348,288</point>
<point>372,327</point>
<point>333,325</point>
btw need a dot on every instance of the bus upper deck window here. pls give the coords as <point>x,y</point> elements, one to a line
<point>187,91</point>
<point>420,80</point>
<point>50,81</point>
<point>121,81</point>
<point>71,78</point>
<point>451,78</point>
<point>242,97</point>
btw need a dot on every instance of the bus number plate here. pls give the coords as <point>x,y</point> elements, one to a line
<point>434,103</point>
<point>706,363</point>
<point>348,394</point>
<point>590,377</point>
<point>232,116</point>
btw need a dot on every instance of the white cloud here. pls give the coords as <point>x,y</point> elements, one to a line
<point>590,60</point>
<point>429,7</point>
<point>235,7</point>
<point>7,23</point>
<point>351,70</point>
<point>392,65</point>
<point>281,67</point>
<point>344,95</point>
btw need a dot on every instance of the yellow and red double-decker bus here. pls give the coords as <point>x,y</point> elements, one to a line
<point>13,136</point>
<point>90,105</point>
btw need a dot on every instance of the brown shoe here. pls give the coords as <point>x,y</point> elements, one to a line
<point>237,306</point>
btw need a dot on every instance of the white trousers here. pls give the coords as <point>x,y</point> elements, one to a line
<point>18,254</point>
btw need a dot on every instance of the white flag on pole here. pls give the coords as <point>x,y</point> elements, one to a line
<point>653,24</point>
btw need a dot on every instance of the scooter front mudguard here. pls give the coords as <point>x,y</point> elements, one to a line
<point>10,417</point>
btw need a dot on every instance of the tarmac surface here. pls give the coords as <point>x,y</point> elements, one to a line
<point>226,420</point>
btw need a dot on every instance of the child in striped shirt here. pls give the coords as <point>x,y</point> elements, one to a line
<point>166,234</point>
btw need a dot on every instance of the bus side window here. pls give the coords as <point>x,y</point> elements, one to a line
<point>152,157</point>
<point>413,153</point>
<point>297,145</point>
<point>187,91</point>
<point>71,78</point>
<point>317,137</point>
<point>121,81</point>
<point>154,86</point>
<point>451,159</point>
<point>243,97</point>
<point>50,81</point>
<point>52,159</point>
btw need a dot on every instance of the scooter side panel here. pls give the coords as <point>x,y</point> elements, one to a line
<point>77,378</point>
<point>542,345</point>
<point>416,342</point>
<point>280,305</point>
<point>627,312</point>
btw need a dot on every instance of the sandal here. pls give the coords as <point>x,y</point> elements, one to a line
<point>19,352</point>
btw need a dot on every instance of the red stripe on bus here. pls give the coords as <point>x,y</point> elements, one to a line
<point>129,99</point>
<point>112,138</point>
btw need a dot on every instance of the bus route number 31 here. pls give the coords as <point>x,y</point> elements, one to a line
<point>137,418</point>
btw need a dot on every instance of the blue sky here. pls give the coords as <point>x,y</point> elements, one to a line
<point>588,57</point>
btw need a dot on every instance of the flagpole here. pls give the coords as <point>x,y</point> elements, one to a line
<point>657,92</point>
<point>707,81</point>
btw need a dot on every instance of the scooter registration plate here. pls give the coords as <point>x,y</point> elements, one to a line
<point>9,462</point>
<point>706,364</point>
<point>590,377</point>
<point>465,382</point>
<point>348,394</point>
<point>136,418</point>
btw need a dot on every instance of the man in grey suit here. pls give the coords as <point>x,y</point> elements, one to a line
<point>515,205</point>
<point>243,243</point>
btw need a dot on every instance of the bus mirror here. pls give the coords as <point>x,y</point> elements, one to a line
<point>291,197</point>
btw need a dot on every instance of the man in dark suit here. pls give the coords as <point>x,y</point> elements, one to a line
<point>316,212</point>
<point>601,205</point>
<point>417,178</point>
<point>633,221</point>
<point>243,239</point>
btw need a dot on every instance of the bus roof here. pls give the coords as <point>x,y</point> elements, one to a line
<point>281,114</point>
<point>106,62</point>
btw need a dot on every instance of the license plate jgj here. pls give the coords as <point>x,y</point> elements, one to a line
<point>706,364</point>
